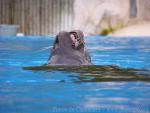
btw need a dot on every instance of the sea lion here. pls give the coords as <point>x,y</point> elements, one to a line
<point>69,50</point>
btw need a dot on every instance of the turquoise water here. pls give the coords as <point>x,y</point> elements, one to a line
<point>45,91</point>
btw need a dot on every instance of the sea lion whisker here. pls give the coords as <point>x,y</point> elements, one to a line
<point>44,48</point>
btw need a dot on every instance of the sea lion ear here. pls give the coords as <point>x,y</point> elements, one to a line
<point>80,34</point>
<point>56,42</point>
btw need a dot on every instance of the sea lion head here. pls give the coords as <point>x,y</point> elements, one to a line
<point>73,39</point>
<point>69,49</point>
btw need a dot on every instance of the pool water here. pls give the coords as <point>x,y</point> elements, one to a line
<point>47,91</point>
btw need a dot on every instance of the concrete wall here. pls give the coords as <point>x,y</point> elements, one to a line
<point>94,15</point>
<point>90,13</point>
<point>43,17</point>
<point>38,17</point>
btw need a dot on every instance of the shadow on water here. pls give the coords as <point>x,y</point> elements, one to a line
<point>100,73</point>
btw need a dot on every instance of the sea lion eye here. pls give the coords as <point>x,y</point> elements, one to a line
<point>76,37</point>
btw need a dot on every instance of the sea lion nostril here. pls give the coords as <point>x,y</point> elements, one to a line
<point>73,45</point>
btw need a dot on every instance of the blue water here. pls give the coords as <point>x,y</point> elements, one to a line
<point>24,91</point>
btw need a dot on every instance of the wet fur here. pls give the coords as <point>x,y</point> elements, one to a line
<point>63,54</point>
